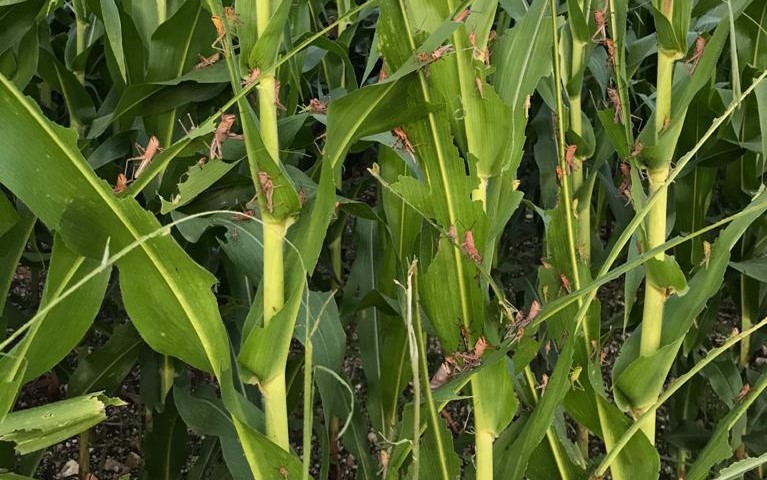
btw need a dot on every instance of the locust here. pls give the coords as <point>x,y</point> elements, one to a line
<point>600,18</point>
<point>401,137</point>
<point>470,248</point>
<point>575,374</point>
<point>698,47</point>
<point>223,131</point>
<point>145,156</point>
<point>565,283</point>
<point>441,51</point>
<point>615,100</point>
<point>743,392</point>
<point>480,86</point>
<point>570,157</point>
<point>207,61</point>
<point>625,187</point>
<point>612,52</point>
<point>317,106</point>
<point>482,54</point>
<point>544,384</point>
<point>452,234</point>
<point>560,174</point>
<point>252,77</point>
<point>121,184</point>
<point>218,24</point>
<point>268,188</point>
<point>462,16</point>
<point>277,102</point>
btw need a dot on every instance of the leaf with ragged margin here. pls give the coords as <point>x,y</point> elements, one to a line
<point>40,427</point>
<point>198,179</point>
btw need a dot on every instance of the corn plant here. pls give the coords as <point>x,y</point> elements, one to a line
<point>335,239</point>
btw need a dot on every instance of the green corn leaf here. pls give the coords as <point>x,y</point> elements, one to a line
<point>39,427</point>
<point>110,14</point>
<point>198,179</point>
<point>8,215</point>
<point>16,20</point>
<point>165,445</point>
<point>667,274</point>
<point>28,56</point>
<point>267,47</point>
<point>738,469</point>
<point>516,60</point>
<point>512,461</point>
<point>578,23</point>
<point>755,268</point>
<point>719,448</point>
<point>58,332</point>
<point>12,245</point>
<point>156,278</point>
<point>105,368</point>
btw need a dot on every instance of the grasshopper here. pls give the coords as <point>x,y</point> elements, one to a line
<point>470,248</point>
<point>122,183</point>
<point>570,157</point>
<point>268,188</point>
<point>600,18</point>
<point>223,131</point>
<point>697,53</point>
<point>462,16</point>
<point>145,156</point>
<point>207,61</point>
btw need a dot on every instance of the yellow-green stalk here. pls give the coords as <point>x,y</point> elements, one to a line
<point>273,390</point>
<point>583,210</point>
<point>655,296</point>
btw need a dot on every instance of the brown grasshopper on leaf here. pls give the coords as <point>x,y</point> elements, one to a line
<point>565,283</point>
<point>462,16</point>
<point>400,137</point>
<point>441,51</point>
<point>612,52</point>
<point>470,248</point>
<point>697,53</point>
<point>317,106</point>
<point>600,18</point>
<point>615,101</point>
<point>252,77</point>
<point>207,61</point>
<point>570,157</point>
<point>268,188</point>
<point>121,184</point>
<point>145,156</point>
<point>223,131</point>
<point>218,24</point>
